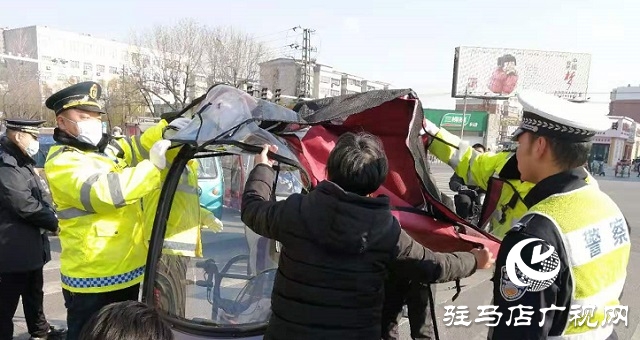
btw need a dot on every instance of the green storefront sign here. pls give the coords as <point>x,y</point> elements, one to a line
<point>452,119</point>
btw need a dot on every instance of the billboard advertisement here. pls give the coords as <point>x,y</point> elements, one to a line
<point>501,72</point>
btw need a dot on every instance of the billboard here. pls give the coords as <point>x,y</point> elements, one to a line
<point>501,72</point>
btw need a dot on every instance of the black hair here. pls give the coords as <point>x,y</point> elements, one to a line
<point>358,163</point>
<point>505,59</point>
<point>127,320</point>
<point>568,155</point>
<point>479,146</point>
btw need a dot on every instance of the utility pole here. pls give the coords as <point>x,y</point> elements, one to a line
<point>304,84</point>
<point>464,111</point>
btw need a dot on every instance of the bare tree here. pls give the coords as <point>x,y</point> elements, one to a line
<point>167,62</point>
<point>123,100</point>
<point>233,56</point>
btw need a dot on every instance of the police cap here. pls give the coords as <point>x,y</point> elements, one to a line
<point>82,96</point>
<point>24,125</point>
<point>551,116</point>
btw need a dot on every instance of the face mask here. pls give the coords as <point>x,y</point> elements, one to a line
<point>33,148</point>
<point>89,131</point>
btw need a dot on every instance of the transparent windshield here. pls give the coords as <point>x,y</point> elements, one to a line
<point>216,271</point>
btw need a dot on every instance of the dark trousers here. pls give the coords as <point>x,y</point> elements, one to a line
<point>82,306</point>
<point>29,286</point>
<point>415,295</point>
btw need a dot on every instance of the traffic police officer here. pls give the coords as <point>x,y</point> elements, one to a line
<point>183,234</point>
<point>98,197</point>
<point>572,246</point>
<point>24,218</point>
<point>495,173</point>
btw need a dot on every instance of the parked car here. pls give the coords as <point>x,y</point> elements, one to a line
<point>211,184</point>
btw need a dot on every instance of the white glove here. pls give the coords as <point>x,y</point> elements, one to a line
<point>157,153</point>
<point>175,126</point>
<point>210,221</point>
<point>429,128</point>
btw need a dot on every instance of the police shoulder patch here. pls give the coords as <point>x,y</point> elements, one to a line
<point>508,290</point>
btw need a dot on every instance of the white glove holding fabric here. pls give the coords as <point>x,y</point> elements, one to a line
<point>210,221</point>
<point>157,153</point>
<point>429,127</point>
<point>175,126</point>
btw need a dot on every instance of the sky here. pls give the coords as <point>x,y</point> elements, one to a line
<point>408,44</point>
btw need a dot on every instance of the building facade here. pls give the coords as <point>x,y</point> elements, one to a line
<point>625,101</point>
<point>621,141</point>
<point>53,59</point>
<point>325,81</point>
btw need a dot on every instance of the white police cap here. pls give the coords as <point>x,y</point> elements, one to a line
<point>547,115</point>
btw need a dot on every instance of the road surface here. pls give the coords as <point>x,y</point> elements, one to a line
<point>476,290</point>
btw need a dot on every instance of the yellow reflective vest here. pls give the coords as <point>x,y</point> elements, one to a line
<point>183,234</point>
<point>595,236</point>
<point>504,198</point>
<point>98,198</point>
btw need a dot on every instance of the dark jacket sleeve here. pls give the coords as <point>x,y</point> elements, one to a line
<point>455,182</point>
<point>16,196</point>
<point>420,263</point>
<point>507,296</point>
<point>258,212</point>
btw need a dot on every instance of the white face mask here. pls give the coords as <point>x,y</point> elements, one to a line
<point>89,131</point>
<point>33,148</point>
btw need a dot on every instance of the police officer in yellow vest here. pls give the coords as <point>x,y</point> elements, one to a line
<point>98,197</point>
<point>496,173</point>
<point>183,234</point>
<point>571,248</point>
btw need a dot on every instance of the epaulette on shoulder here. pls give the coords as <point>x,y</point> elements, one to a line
<point>523,223</point>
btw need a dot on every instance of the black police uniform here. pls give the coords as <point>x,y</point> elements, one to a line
<point>24,245</point>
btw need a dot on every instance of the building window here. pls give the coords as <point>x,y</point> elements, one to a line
<point>75,64</point>
<point>325,80</point>
<point>335,92</point>
<point>370,88</point>
<point>88,66</point>
<point>113,70</point>
<point>358,83</point>
<point>335,82</point>
<point>351,82</point>
<point>99,68</point>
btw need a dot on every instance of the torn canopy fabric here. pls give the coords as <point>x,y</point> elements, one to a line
<point>232,121</point>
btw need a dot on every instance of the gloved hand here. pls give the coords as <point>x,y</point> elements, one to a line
<point>157,153</point>
<point>209,221</point>
<point>175,126</point>
<point>429,127</point>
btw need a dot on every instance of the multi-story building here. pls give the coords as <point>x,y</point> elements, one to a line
<point>621,141</point>
<point>55,59</point>
<point>325,81</point>
<point>625,101</point>
<point>328,82</point>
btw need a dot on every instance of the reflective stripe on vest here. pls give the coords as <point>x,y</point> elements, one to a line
<point>185,242</point>
<point>102,281</point>
<point>596,237</point>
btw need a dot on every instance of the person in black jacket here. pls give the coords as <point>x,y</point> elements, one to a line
<point>24,218</point>
<point>338,243</point>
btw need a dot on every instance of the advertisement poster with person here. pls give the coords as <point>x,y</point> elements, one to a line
<point>501,72</point>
